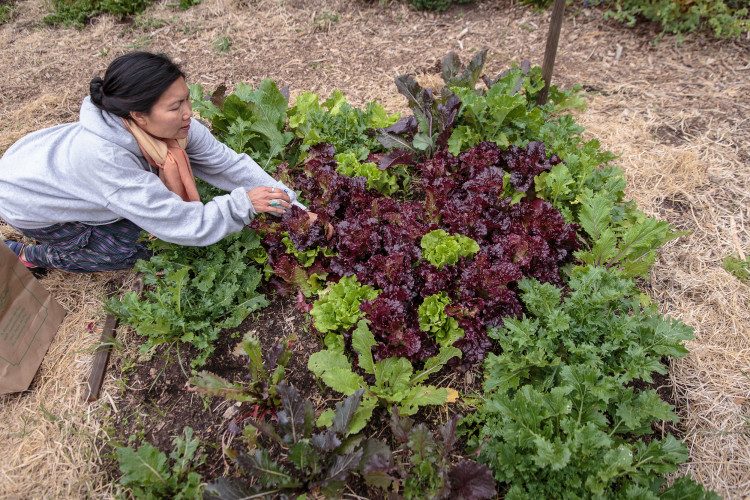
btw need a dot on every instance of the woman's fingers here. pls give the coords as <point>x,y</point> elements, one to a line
<point>276,194</point>
<point>329,227</point>
<point>266,199</point>
<point>279,200</point>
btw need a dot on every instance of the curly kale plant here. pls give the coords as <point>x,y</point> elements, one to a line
<point>562,416</point>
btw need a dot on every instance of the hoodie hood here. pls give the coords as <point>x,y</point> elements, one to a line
<point>107,126</point>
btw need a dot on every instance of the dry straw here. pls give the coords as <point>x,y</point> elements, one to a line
<point>674,112</point>
<point>51,438</point>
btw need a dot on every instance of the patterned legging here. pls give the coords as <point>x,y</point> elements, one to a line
<point>78,247</point>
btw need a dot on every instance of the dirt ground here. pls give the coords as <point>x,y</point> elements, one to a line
<point>677,113</point>
<point>157,387</point>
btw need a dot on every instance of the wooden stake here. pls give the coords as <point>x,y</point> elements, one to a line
<point>101,355</point>
<point>553,36</point>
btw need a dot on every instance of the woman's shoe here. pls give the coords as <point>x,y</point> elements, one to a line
<point>15,246</point>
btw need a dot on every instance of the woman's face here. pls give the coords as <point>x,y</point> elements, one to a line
<point>170,115</point>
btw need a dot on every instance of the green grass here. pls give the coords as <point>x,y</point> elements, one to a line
<point>6,12</point>
<point>77,13</point>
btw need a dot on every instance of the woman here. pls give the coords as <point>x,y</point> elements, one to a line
<point>85,190</point>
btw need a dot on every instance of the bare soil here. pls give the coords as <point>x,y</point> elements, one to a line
<point>156,404</point>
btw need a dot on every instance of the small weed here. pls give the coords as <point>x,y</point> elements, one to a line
<point>305,329</point>
<point>185,4</point>
<point>26,422</point>
<point>223,44</point>
<point>206,402</point>
<point>149,23</point>
<point>50,416</point>
<point>159,410</point>
<point>325,21</point>
<point>140,42</point>
<point>738,267</point>
<point>128,364</point>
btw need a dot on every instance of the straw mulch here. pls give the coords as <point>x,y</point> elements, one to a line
<point>677,113</point>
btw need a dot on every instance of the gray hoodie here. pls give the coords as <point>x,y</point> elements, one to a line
<point>93,171</point>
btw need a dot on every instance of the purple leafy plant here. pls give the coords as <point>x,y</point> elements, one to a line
<point>377,239</point>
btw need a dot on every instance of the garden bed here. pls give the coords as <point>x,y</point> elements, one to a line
<point>481,231</point>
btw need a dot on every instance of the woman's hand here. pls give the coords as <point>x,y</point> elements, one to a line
<point>329,227</point>
<point>269,199</point>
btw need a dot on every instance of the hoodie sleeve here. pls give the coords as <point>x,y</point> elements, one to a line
<point>129,191</point>
<point>148,203</point>
<point>220,166</point>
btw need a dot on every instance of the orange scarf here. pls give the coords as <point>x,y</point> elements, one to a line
<point>170,157</point>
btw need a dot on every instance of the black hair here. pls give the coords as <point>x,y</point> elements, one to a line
<point>133,82</point>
